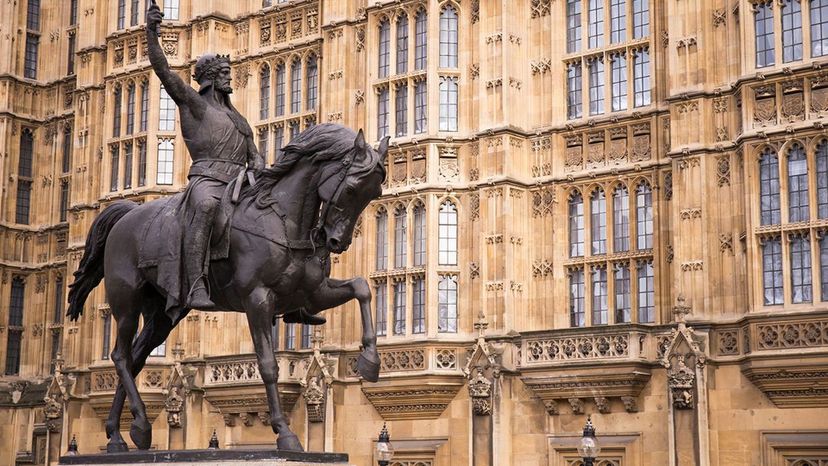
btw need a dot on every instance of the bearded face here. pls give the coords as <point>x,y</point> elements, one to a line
<point>222,80</point>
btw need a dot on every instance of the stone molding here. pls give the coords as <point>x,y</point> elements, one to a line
<point>421,397</point>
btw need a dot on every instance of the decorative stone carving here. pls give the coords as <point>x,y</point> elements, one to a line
<point>474,206</point>
<point>630,404</point>
<point>683,359</point>
<point>641,148</point>
<point>723,170</point>
<point>682,381</point>
<point>540,8</point>
<point>728,342</point>
<point>543,201</point>
<point>173,405</point>
<point>583,347</point>
<point>726,242</point>
<point>541,268</point>
<point>314,397</point>
<point>577,405</point>
<point>360,38</point>
<point>480,391</point>
<point>764,112</point>
<point>169,43</point>
<point>602,404</point>
<point>424,398</point>
<point>668,185</point>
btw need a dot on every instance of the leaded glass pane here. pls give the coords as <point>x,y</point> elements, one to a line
<point>447,304</point>
<point>763,24</point>
<point>621,219</point>
<point>598,217</point>
<point>772,271</point>
<point>798,185</point>
<point>600,314</point>
<point>447,250</point>
<point>801,288</point>
<point>576,298</point>
<point>576,225</point>
<point>769,207</point>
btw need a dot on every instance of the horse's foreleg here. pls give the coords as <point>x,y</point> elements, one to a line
<point>153,334</point>
<point>259,309</point>
<point>141,430</point>
<point>332,293</point>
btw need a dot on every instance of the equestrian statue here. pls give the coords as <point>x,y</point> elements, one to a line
<point>240,238</point>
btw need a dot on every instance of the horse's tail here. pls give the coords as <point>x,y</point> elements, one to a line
<point>91,268</point>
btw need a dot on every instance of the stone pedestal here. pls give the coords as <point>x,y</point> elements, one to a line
<point>211,458</point>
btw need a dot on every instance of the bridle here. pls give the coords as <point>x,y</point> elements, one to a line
<point>323,217</point>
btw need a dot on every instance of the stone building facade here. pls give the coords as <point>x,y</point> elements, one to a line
<point>614,208</point>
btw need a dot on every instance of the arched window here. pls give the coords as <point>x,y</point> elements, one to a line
<point>401,109</point>
<point>13,342</point>
<point>447,304</point>
<point>576,225</point>
<point>402,44</point>
<point>769,209</point>
<point>399,307</point>
<point>448,37</point>
<point>114,162</point>
<point>621,219</point>
<point>400,238</point>
<point>801,287</point>
<point>644,216</point>
<point>772,271</point>
<point>447,250</point>
<point>144,106</point>
<point>576,298</point>
<point>66,162</point>
<point>623,305</point>
<point>598,217</point>
<point>280,90</point>
<point>121,14</point>
<point>382,112</point>
<point>312,79</point>
<point>116,112</point>
<point>791,30</point>
<point>295,86</point>
<point>166,116</point>
<point>822,178</point>
<point>763,30</point>
<point>600,295</point>
<point>166,151</point>
<point>798,185</point>
<point>419,236</point>
<point>264,143</point>
<point>381,305</point>
<point>128,165</point>
<point>449,97</point>
<point>421,40</point>
<point>384,48</point>
<point>130,123</point>
<point>418,302</point>
<point>646,291</point>
<point>819,28</point>
<point>264,93</point>
<point>24,164</point>
<point>382,239</point>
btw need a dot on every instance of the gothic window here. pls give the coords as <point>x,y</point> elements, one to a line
<point>70,56</point>
<point>107,336</point>
<point>280,90</point>
<point>596,23</point>
<point>448,37</point>
<point>24,198</point>
<point>599,296</point>
<point>641,18</point>
<point>274,335</point>
<point>33,15</point>
<point>263,144</point>
<point>798,185</point>
<point>55,350</point>
<point>418,318</point>
<point>618,63</point>
<point>166,151</point>
<point>294,129</point>
<point>819,27</point>
<point>772,271</point>
<point>400,238</point>
<point>64,200</point>
<point>421,40</point>
<point>381,309</point>
<point>121,14</point>
<point>576,225</point>
<point>382,239</point>
<point>59,297</point>
<point>24,163</point>
<point>171,9</point>
<point>290,336</point>
<point>641,77</point>
<point>401,110</point>
<point>644,216</point>
<point>791,31</point>
<point>447,304</point>
<point>769,207</point>
<point>448,103</point>
<point>166,115</point>
<point>264,93</point>
<point>576,298</point>
<point>13,343</point>
<point>402,44</point>
<point>312,74</point>
<point>159,351</point>
<point>306,337</point>
<point>66,161</point>
<point>133,13</point>
<point>574,102</point>
<point>447,250</point>
<point>573,26</point>
<point>618,21</point>
<point>822,179</point>
<point>384,48</point>
<point>399,308</point>
<point>278,141</point>
<point>128,165</point>
<point>621,219</point>
<point>144,106</point>
<point>116,113</point>
<point>420,107</point>
<point>598,218</point>
<point>142,163</point>
<point>596,86</point>
<point>419,236</point>
<point>295,86</point>
<point>73,12</point>
<point>114,162</point>
<point>823,260</point>
<point>763,24</point>
<point>623,306</point>
<point>801,268</point>
<point>382,112</point>
<point>130,117</point>
<point>30,59</point>
<point>646,292</point>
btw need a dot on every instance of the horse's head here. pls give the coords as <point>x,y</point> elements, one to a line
<point>347,190</point>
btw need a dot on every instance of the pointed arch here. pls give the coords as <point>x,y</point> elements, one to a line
<point>769,198</point>
<point>449,27</point>
<point>264,91</point>
<point>598,220</point>
<point>381,238</point>
<point>796,168</point>
<point>576,223</point>
<point>448,233</point>
<point>644,215</point>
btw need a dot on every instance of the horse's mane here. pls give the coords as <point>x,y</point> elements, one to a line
<point>321,143</point>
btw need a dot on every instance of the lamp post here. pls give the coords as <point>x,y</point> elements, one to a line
<point>384,449</point>
<point>589,447</point>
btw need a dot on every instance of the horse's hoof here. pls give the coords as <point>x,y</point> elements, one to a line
<point>368,369</point>
<point>116,447</point>
<point>141,434</point>
<point>289,442</point>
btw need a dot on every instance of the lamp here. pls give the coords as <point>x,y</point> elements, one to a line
<point>384,450</point>
<point>589,448</point>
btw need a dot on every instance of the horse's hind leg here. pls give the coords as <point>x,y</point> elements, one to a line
<point>154,333</point>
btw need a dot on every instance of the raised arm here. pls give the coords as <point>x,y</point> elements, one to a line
<point>181,92</point>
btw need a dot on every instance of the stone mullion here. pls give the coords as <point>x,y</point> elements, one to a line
<point>805,7</point>
<point>611,304</point>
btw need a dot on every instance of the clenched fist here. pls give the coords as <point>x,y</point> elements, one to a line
<point>154,17</point>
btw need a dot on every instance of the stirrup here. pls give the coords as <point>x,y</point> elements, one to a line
<point>301,316</point>
<point>199,298</point>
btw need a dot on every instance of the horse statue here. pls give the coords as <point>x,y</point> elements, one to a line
<point>281,235</point>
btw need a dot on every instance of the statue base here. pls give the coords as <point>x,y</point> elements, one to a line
<point>210,458</point>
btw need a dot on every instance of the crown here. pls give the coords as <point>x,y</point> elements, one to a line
<point>207,66</point>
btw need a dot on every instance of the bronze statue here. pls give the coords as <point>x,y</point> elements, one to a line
<point>270,252</point>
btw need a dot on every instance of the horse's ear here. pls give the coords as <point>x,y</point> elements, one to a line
<point>383,147</point>
<point>359,142</point>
